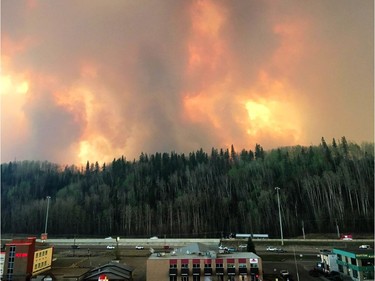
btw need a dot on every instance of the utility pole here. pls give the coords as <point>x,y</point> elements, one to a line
<point>303,230</point>
<point>281,224</point>
<point>45,226</point>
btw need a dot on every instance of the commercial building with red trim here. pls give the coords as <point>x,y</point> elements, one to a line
<point>198,261</point>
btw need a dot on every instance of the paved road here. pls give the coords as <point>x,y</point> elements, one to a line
<point>299,270</point>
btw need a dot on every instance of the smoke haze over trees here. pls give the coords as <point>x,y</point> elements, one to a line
<point>202,194</point>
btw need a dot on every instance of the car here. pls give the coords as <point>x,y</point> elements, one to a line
<point>335,278</point>
<point>325,251</point>
<point>365,247</point>
<point>231,249</point>
<point>110,247</point>
<point>271,249</point>
<point>284,272</point>
<point>314,272</point>
<point>139,247</point>
<point>75,247</point>
<point>109,237</point>
<point>285,275</point>
<point>346,237</point>
<point>154,237</point>
<point>280,250</point>
<point>242,246</point>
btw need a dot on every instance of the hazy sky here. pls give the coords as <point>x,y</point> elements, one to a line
<point>95,79</point>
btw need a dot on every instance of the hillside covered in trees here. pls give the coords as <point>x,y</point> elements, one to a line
<point>197,195</point>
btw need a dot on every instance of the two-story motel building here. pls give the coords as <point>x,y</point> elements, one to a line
<point>198,261</point>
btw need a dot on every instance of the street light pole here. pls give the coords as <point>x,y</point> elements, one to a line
<point>281,224</point>
<point>45,227</point>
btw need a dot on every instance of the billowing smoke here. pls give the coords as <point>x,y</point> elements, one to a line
<point>94,80</point>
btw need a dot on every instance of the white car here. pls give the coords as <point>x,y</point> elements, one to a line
<point>139,247</point>
<point>243,246</point>
<point>365,247</point>
<point>110,247</point>
<point>271,249</point>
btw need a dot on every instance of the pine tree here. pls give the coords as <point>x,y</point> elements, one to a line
<point>250,245</point>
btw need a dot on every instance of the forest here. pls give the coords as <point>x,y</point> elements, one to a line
<point>323,188</point>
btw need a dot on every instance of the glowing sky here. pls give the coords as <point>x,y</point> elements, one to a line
<point>95,80</point>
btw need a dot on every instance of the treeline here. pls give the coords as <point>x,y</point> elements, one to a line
<point>196,195</point>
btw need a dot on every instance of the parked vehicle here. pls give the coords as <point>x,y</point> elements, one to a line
<point>284,272</point>
<point>110,247</point>
<point>138,247</point>
<point>365,247</point>
<point>285,275</point>
<point>280,250</point>
<point>271,249</point>
<point>314,273</point>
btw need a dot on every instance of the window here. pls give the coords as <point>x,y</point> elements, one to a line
<point>12,252</point>
<point>196,278</point>
<point>207,265</point>
<point>354,261</point>
<point>355,273</point>
<point>184,263</point>
<point>173,266</point>
<point>196,263</point>
<point>172,278</point>
<point>367,262</point>
<point>339,257</point>
<point>219,265</point>
<point>184,278</point>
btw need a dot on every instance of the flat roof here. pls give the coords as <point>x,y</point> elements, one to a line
<point>200,251</point>
<point>355,252</point>
<point>169,256</point>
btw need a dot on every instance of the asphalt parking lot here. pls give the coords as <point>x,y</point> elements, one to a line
<point>80,260</point>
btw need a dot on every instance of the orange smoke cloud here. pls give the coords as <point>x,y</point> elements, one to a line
<point>100,81</point>
<point>263,112</point>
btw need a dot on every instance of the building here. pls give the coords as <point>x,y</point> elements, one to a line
<point>2,259</point>
<point>328,262</point>
<point>23,260</point>
<point>198,261</point>
<point>112,272</point>
<point>357,263</point>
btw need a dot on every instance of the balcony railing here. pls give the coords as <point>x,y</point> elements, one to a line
<point>242,270</point>
<point>219,271</point>
<point>184,271</point>
<point>207,271</point>
<point>172,271</point>
<point>196,271</point>
<point>231,271</point>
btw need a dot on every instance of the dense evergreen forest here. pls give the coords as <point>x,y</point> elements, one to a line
<point>197,195</point>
